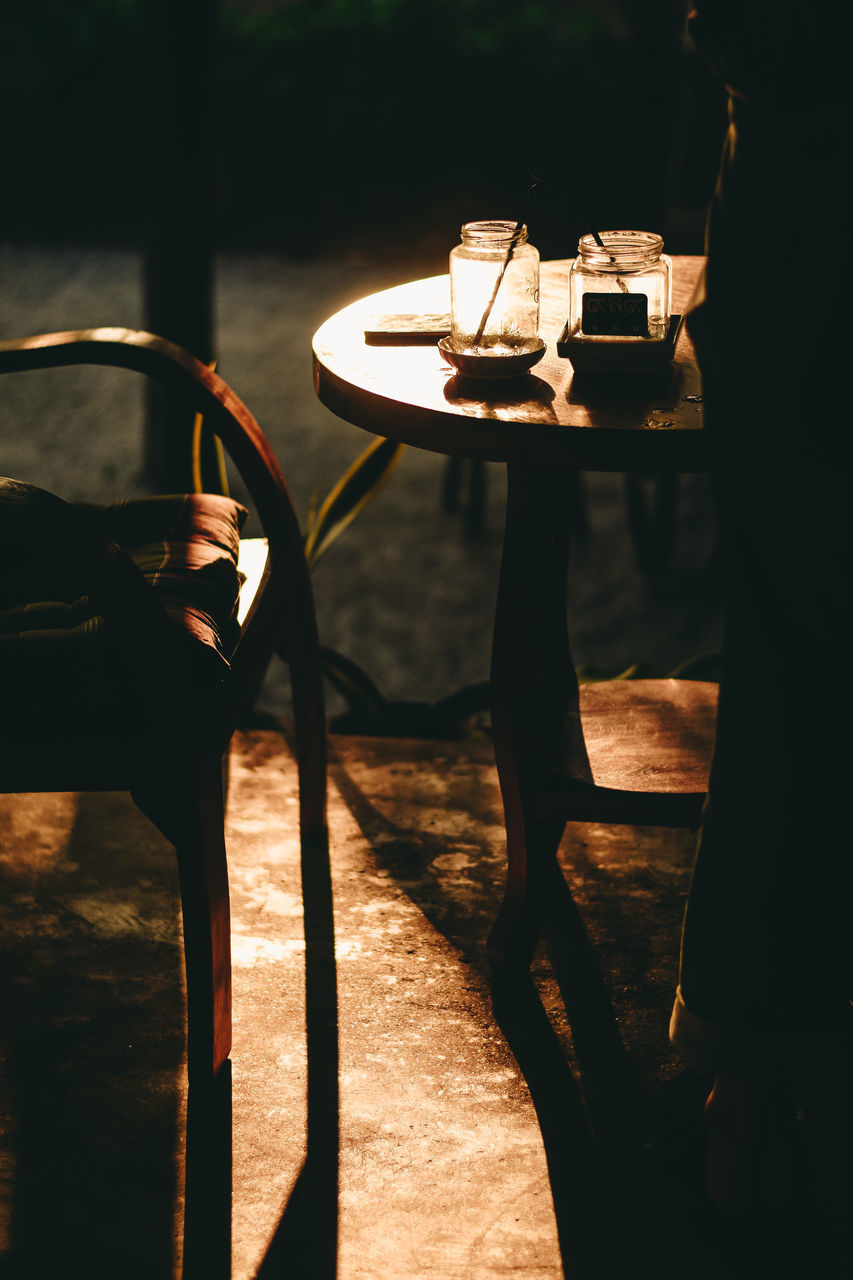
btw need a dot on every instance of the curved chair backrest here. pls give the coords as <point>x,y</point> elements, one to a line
<point>286,576</point>
<point>174,771</point>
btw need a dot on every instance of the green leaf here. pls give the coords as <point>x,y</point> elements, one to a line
<point>202,483</point>
<point>311,517</point>
<point>702,666</point>
<point>351,494</point>
<point>589,674</point>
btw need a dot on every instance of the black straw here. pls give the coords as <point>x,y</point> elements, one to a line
<point>519,227</point>
<point>539,180</point>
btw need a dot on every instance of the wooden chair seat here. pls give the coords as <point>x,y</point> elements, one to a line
<point>631,752</point>
<point>649,745</point>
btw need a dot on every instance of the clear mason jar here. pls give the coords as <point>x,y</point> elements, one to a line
<point>494,290</point>
<point>622,291</point>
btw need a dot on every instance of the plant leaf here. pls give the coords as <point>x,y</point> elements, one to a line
<point>702,666</point>
<point>589,674</point>
<point>311,516</point>
<point>356,488</point>
<point>218,455</point>
<point>456,707</point>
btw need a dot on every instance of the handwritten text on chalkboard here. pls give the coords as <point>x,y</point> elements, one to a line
<point>624,315</point>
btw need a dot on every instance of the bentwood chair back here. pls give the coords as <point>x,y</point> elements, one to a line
<point>134,636</point>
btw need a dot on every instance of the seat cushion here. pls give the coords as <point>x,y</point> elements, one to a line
<point>186,546</point>
<point>57,654</point>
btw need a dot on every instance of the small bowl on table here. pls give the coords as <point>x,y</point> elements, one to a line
<point>490,365</point>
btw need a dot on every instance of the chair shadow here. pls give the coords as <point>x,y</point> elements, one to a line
<point>622,1133</point>
<point>597,1164</point>
<point>208,1180</point>
<point>305,1242</point>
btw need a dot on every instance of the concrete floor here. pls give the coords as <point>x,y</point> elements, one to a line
<point>457,1131</point>
<point>442,1167</point>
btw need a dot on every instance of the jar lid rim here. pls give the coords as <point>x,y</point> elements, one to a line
<point>640,242</point>
<point>494,229</point>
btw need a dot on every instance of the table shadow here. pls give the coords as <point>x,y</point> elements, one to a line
<point>609,398</point>
<point>481,399</point>
<point>592,1137</point>
<point>623,1144</point>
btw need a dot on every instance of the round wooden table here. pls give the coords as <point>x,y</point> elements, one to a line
<point>545,426</point>
<point>551,416</point>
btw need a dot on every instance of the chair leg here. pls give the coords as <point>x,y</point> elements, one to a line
<point>200,845</point>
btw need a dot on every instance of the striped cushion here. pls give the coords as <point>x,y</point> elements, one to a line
<point>56,651</point>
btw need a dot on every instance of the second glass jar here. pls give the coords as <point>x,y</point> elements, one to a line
<point>621,291</point>
<point>494,290</point>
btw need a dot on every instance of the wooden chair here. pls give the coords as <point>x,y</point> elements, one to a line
<point>634,752</point>
<point>162,728</point>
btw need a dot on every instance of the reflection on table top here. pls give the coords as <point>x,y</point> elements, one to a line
<point>550,416</point>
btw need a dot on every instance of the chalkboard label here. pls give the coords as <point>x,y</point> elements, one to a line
<point>622,315</point>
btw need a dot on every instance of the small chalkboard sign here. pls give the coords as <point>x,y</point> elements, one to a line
<point>615,315</point>
<point>619,355</point>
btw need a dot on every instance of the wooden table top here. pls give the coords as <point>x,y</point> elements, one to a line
<point>551,416</point>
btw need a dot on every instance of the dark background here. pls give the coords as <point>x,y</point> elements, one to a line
<point>230,175</point>
<point>337,122</point>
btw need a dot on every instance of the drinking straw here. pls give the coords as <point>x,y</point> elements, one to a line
<point>519,226</point>
<point>579,205</point>
<point>539,180</point>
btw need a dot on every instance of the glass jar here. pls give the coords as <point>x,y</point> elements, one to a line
<point>494,290</point>
<point>622,291</point>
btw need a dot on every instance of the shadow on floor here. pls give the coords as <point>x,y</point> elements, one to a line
<point>623,1139</point>
<point>93,1025</point>
<point>593,1135</point>
<point>306,1239</point>
<point>94,1088</point>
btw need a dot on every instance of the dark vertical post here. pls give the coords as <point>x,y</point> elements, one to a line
<point>178,262</point>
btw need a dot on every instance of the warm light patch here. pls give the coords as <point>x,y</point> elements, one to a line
<point>35,831</point>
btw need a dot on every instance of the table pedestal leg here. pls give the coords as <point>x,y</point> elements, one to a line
<point>535,714</point>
